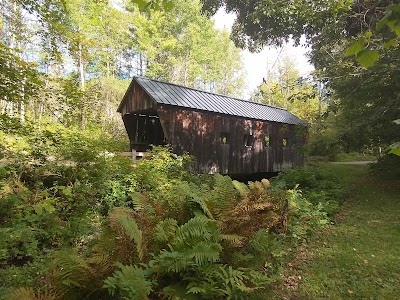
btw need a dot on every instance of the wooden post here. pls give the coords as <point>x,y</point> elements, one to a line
<point>133,155</point>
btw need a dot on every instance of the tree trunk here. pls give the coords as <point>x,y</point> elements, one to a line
<point>319,107</point>
<point>22,103</point>
<point>22,112</point>
<point>40,115</point>
<point>82,77</point>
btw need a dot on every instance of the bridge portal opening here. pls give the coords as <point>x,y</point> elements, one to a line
<point>144,129</point>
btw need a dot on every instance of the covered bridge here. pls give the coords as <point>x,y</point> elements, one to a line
<point>226,135</point>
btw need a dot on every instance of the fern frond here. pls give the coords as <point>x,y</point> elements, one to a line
<point>241,188</point>
<point>74,272</point>
<point>233,280</point>
<point>121,217</point>
<point>170,261</point>
<point>101,263</point>
<point>204,253</point>
<point>256,187</point>
<point>234,239</point>
<point>203,205</point>
<point>223,196</point>
<point>266,183</point>
<point>28,293</point>
<point>137,200</point>
<point>130,282</point>
<point>254,206</point>
<point>165,230</point>
<point>195,230</point>
<point>106,242</point>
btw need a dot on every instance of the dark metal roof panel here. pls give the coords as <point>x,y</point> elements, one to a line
<point>172,94</point>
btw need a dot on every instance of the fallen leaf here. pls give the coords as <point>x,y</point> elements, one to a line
<point>350,292</point>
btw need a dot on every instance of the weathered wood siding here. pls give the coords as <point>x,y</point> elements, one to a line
<point>200,134</point>
<point>136,100</point>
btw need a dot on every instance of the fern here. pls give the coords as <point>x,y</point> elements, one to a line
<point>202,203</point>
<point>176,201</point>
<point>130,282</point>
<point>196,230</point>
<point>233,282</point>
<point>27,293</point>
<point>266,183</point>
<point>78,276</point>
<point>122,217</point>
<point>203,253</point>
<point>256,187</point>
<point>241,188</point>
<point>165,230</point>
<point>223,281</point>
<point>194,243</point>
<point>234,239</point>
<point>170,261</point>
<point>223,196</point>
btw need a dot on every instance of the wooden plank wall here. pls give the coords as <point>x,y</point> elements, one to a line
<point>137,100</point>
<point>199,133</point>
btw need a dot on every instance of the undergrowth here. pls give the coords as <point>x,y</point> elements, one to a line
<point>320,186</point>
<point>78,223</point>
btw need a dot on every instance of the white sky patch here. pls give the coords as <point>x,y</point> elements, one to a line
<point>258,64</point>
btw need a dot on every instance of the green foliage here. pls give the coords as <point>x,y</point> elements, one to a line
<point>306,217</point>
<point>387,166</point>
<point>17,75</point>
<point>354,156</point>
<point>130,228</point>
<point>288,90</point>
<point>269,251</point>
<point>173,44</point>
<point>322,187</point>
<point>31,294</point>
<point>365,48</point>
<point>394,149</point>
<point>51,186</point>
<point>131,283</point>
<point>254,28</point>
<point>176,234</point>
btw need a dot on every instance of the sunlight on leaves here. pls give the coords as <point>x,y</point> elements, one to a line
<point>367,58</point>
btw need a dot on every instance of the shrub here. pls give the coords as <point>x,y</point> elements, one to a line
<point>318,186</point>
<point>387,166</point>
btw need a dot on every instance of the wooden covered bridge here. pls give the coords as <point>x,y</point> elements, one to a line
<point>226,135</point>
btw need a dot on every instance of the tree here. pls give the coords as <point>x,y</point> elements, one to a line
<point>288,90</point>
<point>182,46</point>
<point>369,98</point>
<point>19,79</point>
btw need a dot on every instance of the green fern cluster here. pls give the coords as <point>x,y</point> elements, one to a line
<point>185,260</point>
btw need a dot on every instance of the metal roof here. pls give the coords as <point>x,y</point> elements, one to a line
<point>181,96</point>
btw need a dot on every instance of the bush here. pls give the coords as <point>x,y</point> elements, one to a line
<point>354,156</point>
<point>325,143</point>
<point>319,186</point>
<point>387,166</point>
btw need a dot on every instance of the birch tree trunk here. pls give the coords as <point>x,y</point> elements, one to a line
<point>82,77</point>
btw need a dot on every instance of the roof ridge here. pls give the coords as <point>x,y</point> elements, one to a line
<point>198,90</point>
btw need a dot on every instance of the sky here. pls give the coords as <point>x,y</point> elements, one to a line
<point>257,64</point>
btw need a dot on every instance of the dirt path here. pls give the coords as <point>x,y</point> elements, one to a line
<point>363,163</point>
